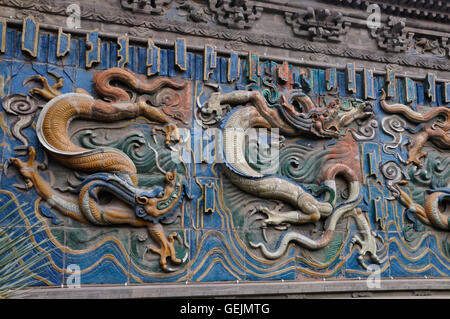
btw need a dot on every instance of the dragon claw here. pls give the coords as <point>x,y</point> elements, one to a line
<point>367,246</point>
<point>166,251</point>
<point>48,91</point>
<point>171,132</point>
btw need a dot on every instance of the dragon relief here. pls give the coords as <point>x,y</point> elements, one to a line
<point>111,170</point>
<point>293,113</point>
<point>433,125</point>
<point>296,115</point>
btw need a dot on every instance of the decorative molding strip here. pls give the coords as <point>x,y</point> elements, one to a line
<point>63,44</point>
<point>93,51</point>
<point>2,36</point>
<point>238,36</point>
<point>351,78</point>
<point>431,86</point>
<point>181,53</point>
<point>153,58</point>
<point>209,61</point>
<point>30,36</point>
<point>241,289</point>
<point>254,70</point>
<point>209,201</point>
<point>122,52</point>
<point>447,92</point>
<point>369,85</point>
<point>410,90</point>
<point>331,78</point>
<point>234,67</point>
<point>390,83</point>
<point>153,52</point>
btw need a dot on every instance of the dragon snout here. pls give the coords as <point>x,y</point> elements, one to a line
<point>213,105</point>
<point>205,109</point>
<point>368,108</point>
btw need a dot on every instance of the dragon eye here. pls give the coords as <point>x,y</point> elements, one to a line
<point>142,200</point>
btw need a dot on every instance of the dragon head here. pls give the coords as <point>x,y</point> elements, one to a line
<point>153,205</point>
<point>334,120</point>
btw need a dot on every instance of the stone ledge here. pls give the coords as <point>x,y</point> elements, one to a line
<point>245,289</point>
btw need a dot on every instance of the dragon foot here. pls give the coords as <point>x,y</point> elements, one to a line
<point>282,219</point>
<point>29,168</point>
<point>415,148</point>
<point>166,251</point>
<point>414,158</point>
<point>171,132</point>
<point>368,246</point>
<point>49,92</point>
<point>275,218</point>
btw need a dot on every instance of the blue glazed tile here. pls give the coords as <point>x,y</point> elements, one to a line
<point>190,70</point>
<point>359,86</point>
<point>259,267</point>
<point>327,262</point>
<point>439,255</point>
<point>172,72</point>
<point>43,48</point>
<point>71,59</point>
<point>198,67</point>
<point>321,82</point>
<point>107,249</point>
<point>215,247</point>
<point>82,54</point>
<point>142,60</point>
<point>223,65</point>
<point>439,95</point>
<point>84,80</point>
<point>132,59</point>
<point>104,56</point>
<point>408,262</point>
<point>52,45</point>
<point>18,54</point>
<point>342,84</point>
<point>164,63</point>
<point>21,72</point>
<point>47,271</point>
<point>5,74</point>
<point>68,74</point>
<point>242,82</point>
<point>10,44</point>
<point>113,55</point>
<point>420,94</point>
